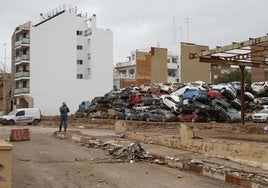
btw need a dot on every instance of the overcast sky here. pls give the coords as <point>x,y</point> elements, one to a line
<point>139,24</point>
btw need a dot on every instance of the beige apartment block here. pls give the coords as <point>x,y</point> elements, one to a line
<point>193,70</point>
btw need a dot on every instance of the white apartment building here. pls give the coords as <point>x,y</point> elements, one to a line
<point>173,67</point>
<point>66,58</point>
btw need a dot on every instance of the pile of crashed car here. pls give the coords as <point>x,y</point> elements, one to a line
<point>190,102</point>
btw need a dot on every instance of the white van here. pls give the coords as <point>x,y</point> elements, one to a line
<point>22,115</point>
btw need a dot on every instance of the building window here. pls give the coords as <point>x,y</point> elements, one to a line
<point>79,32</point>
<point>79,47</point>
<point>24,84</point>
<point>79,76</point>
<point>132,71</point>
<point>133,57</point>
<point>168,60</point>
<point>79,62</point>
<point>88,56</point>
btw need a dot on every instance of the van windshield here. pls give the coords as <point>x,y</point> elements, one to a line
<point>12,112</point>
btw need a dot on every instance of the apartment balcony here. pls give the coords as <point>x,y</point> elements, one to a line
<point>88,32</point>
<point>125,76</point>
<point>22,75</point>
<point>22,42</point>
<point>22,90</point>
<point>125,64</point>
<point>22,28</point>
<point>22,58</point>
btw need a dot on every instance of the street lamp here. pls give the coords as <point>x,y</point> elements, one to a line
<point>4,87</point>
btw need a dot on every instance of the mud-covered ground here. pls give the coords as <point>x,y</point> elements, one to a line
<point>47,161</point>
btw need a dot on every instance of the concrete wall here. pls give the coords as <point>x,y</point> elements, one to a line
<point>193,70</point>
<point>249,153</point>
<point>5,164</point>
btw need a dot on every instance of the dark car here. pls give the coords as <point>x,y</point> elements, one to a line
<point>224,112</point>
<point>190,106</point>
<point>154,115</point>
<point>119,103</point>
<point>150,99</point>
<point>124,113</point>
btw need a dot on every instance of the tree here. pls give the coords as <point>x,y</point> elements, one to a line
<point>233,76</point>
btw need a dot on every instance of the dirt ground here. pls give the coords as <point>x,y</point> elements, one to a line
<point>47,161</point>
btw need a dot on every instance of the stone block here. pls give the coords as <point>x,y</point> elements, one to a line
<point>19,135</point>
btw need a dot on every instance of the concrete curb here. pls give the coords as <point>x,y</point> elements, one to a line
<point>212,170</point>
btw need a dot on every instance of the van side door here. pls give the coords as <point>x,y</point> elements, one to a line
<point>20,117</point>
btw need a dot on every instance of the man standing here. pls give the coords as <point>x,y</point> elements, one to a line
<point>63,116</point>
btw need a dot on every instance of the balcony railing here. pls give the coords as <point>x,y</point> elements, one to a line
<point>24,57</point>
<point>125,76</point>
<point>22,41</point>
<point>125,64</point>
<point>22,74</point>
<point>22,90</point>
<point>88,32</point>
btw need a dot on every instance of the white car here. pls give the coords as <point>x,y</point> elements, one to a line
<point>259,87</point>
<point>261,116</point>
<point>171,101</point>
<point>225,89</point>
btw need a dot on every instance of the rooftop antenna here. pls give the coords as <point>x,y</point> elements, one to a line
<point>187,22</point>
<point>174,22</point>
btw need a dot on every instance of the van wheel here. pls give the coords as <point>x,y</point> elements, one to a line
<point>35,122</point>
<point>11,122</point>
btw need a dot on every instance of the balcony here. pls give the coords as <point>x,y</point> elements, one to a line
<point>125,64</point>
<point>22,90</point>
<point>125,76</point>
<point>88,32</point>
<point>21,74</point>
<point>21,42</point>
<point>24,57</point>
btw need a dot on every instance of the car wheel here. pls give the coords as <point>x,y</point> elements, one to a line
<point>228,120</point>
<point>11,122</point>
<point>197,110</point>
<point>35,122</point>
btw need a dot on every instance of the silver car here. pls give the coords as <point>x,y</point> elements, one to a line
<point>261,116</point>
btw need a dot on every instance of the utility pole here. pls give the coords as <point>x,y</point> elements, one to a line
<point>4,87</point>
<point>4,83</point>
<point>187,22</point>
<point>174,22</point>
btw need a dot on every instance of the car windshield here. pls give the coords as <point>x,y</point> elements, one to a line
<point>264,111</point>
<point>12,112</point>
